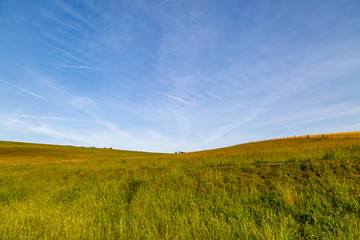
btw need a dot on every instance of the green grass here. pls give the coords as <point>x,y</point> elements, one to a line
<point>307,188</point>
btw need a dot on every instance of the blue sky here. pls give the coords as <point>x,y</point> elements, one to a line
<point>166,76</point>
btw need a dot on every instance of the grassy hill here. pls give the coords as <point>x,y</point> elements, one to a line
<point>295,188</point>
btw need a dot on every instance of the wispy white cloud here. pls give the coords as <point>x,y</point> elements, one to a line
<point>322,115</point>
<point>66,54</point>
<point>222,131</point>
<point>115,129</point>
<point>175,98</point>
<point>46,117</point>
<point>109,125</point>
<point>219,77</point>
<point>110,136</point>
<point>80,67</point>
<point>76,14</point>
<point>24,90</point>
<point>29,92</point>
<point>51,132</point>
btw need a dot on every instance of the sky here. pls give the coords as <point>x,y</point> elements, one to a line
<point>166,76</point>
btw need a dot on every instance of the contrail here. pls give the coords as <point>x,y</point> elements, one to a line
<point>80,67</point>
<point>24,90</point>
<point>50,118</point>
<point>175,98</point>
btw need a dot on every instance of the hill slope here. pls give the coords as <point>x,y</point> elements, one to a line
<point>279,189</point>
<point>30,153</point>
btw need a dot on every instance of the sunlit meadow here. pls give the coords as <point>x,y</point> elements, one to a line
<point>303,188</point>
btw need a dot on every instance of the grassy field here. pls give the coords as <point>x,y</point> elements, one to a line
<point>294,188</point>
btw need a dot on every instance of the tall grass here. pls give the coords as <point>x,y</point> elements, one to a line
<point>281,189</point>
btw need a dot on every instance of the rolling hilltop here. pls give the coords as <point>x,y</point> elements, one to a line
<point>290,188</point>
